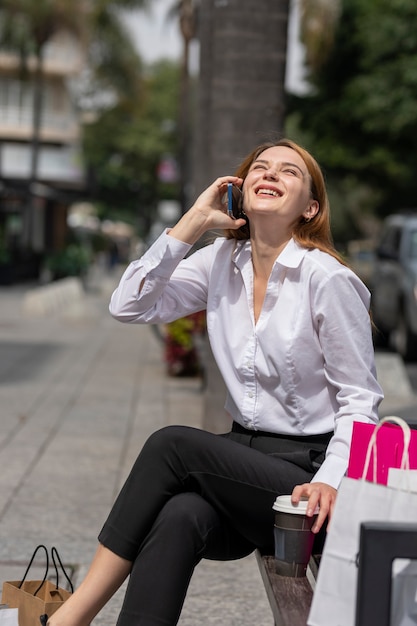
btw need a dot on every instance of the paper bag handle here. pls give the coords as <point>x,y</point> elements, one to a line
<point>55,556</point>
<point>54,553</point>
<point>30,563</point>
<point>372,446</point>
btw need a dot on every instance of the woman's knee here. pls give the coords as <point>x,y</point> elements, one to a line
<point>196,523</point>
<point>191,516</point>
<point>170,438</point>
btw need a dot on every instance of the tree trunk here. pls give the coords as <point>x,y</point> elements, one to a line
<point>187,19</point>
<point>243,50</point>
<point>37,117</point>
<point>184,126</point>
<point>243,54</point>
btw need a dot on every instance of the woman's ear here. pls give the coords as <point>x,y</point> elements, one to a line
<point>312,210</point>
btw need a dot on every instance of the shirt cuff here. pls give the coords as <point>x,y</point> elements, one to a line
<point>164,255</point>
<point>331,472</point>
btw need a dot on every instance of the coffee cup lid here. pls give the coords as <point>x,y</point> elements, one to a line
<point>283,504</point>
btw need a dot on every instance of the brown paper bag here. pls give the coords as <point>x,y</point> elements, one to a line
<point>31,607</point>
<point>36,598</point>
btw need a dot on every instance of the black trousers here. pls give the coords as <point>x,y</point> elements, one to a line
<point>192,495</point>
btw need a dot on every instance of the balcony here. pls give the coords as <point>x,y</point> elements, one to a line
<point>62,57</point>
<point>57,127</point>
<point>61,166</point>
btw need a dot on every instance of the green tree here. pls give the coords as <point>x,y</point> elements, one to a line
<point>361,119</point>
<point>319,19</point>
<point>112,55</point>
<point>124,147</point>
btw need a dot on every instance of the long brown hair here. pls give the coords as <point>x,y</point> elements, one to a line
<point>311,234</point>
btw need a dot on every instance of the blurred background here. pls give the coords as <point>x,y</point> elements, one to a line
<point>114,114</point>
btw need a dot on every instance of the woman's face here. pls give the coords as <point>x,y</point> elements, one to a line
<point>278,184</point>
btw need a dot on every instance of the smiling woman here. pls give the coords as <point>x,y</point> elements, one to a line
<point>275,300</point>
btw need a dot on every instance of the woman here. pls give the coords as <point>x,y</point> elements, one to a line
<point>290,330</point>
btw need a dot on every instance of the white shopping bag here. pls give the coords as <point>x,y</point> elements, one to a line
<point>402,479</point>
<point>334,599</point>
<point>8,617</point>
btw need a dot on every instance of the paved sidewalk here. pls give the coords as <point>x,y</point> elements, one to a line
<point>79,394</point>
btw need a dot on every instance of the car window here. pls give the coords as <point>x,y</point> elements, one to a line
<point>390,241</point>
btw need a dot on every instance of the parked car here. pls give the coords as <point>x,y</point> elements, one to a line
<point>394,284</point>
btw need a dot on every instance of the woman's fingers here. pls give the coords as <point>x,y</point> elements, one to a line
<point>318,494</point>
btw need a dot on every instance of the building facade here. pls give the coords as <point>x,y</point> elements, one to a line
<point>34,199</point>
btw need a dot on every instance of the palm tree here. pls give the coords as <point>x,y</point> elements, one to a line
<point>242,74</point>
<point>26,27</point>
<point>186,13</point>
<point>242,71</point>
<point>319,19</point>
<point>112,54</point>
<point>243,49</point>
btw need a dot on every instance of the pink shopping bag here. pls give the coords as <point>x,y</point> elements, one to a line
<point>390,438</point>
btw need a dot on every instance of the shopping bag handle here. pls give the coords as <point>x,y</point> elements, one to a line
<point>372,446</point>
<point>41,546</point>
<point>55,558</point>
<point>54,554</point>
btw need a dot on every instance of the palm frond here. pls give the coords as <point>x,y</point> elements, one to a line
<point>319,19</point>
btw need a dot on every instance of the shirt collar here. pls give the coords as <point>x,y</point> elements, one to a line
<point>291,256</point>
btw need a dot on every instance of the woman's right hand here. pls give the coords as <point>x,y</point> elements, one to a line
<point>207,213</point>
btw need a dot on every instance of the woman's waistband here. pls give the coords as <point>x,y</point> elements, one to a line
<point>322,438</point>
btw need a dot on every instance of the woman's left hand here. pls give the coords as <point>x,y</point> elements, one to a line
<point>318,494</point>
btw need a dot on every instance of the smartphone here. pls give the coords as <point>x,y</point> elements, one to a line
<point>230,199</point>
<point>234,201</point>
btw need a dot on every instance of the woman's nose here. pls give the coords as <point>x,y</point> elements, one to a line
<point>272,173</point>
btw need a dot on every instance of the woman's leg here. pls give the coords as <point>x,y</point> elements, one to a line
<point>105,575</point>
<point>241,483</point>
<point>187,529</point>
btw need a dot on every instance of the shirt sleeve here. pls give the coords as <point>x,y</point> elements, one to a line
<point>161,286</point>
<point>342,320</point>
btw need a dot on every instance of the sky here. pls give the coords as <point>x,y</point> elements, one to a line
<point>158,37</point>
<point>154,34</point>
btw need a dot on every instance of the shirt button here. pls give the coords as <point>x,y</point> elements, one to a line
<point>250,394</point>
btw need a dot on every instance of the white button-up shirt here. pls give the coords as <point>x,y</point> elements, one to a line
<point>306,367</point>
